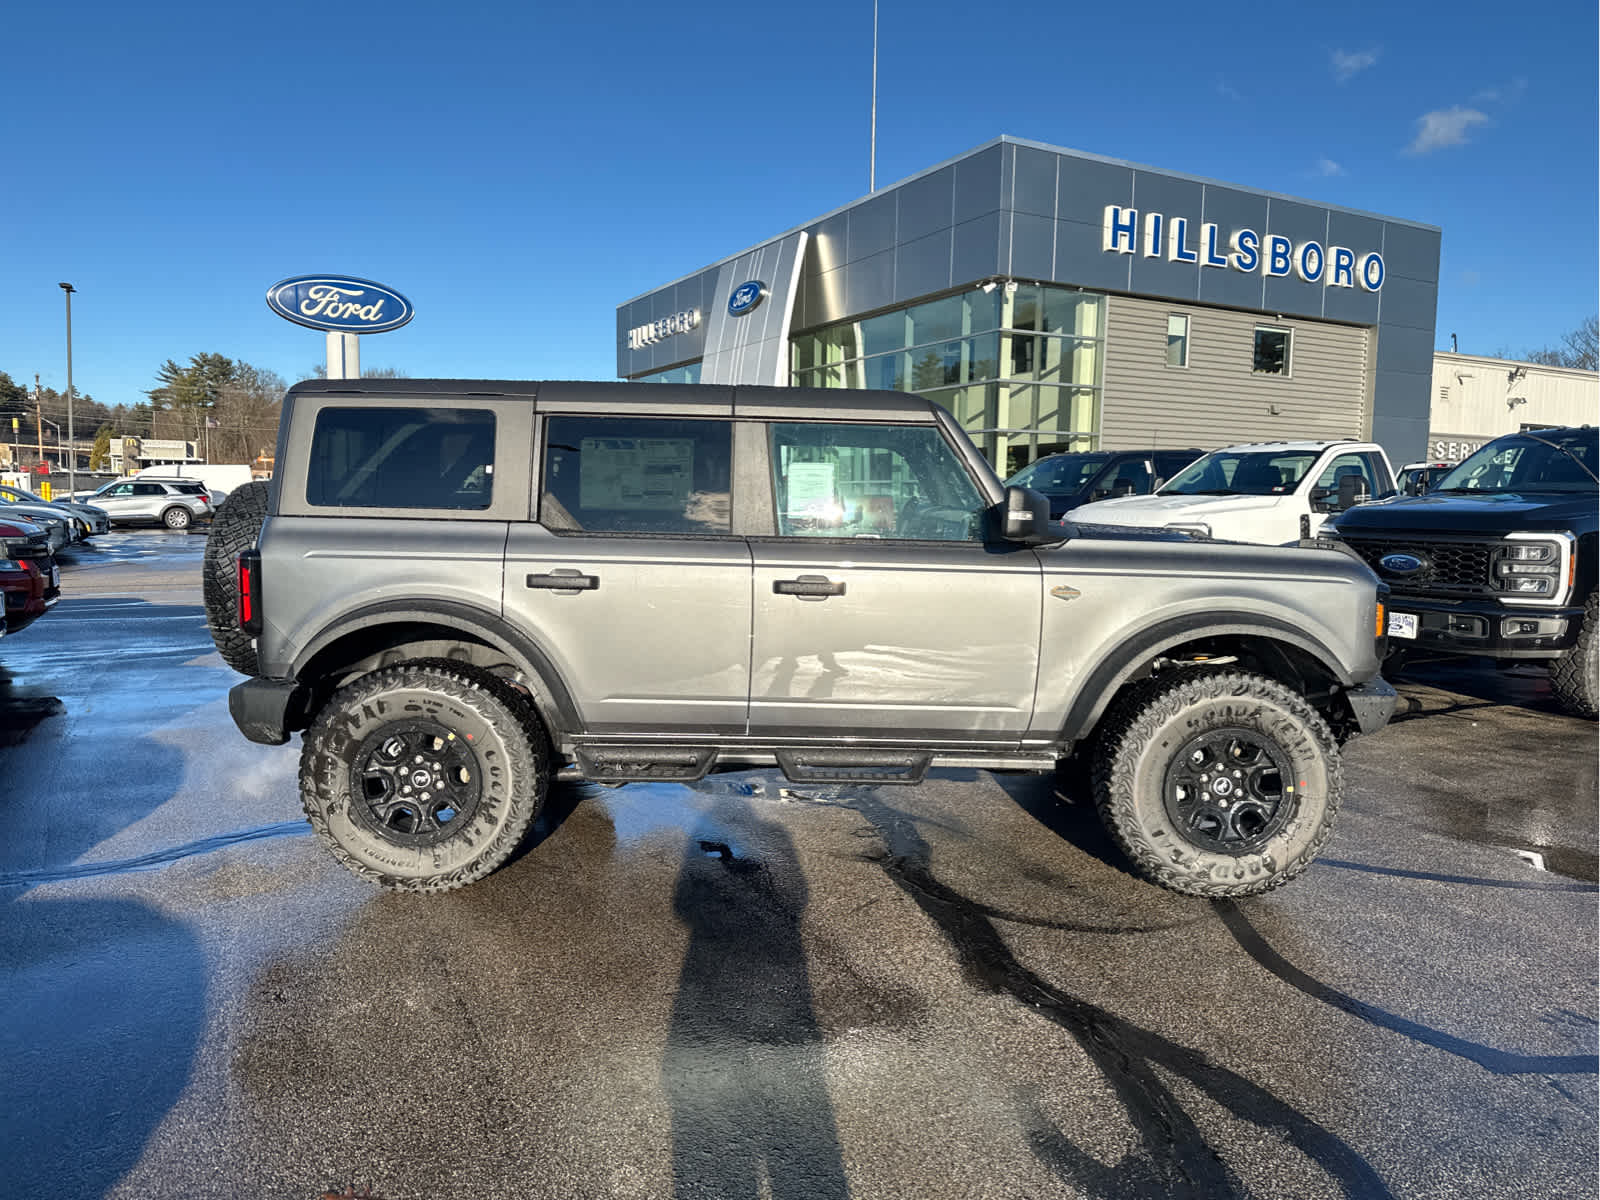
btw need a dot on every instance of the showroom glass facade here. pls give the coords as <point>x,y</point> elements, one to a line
<point>685,374</point>
<point>1019,365</point>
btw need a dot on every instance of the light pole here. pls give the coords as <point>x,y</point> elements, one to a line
<point>72,449</point>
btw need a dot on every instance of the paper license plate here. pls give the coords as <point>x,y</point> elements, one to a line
<point>55,575</point>
<point>1402,625</point>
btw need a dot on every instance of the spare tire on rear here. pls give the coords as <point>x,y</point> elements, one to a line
<point>234,528</point>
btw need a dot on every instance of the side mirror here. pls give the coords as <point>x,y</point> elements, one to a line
<point>1352,491</point>
<point>1026,517</point>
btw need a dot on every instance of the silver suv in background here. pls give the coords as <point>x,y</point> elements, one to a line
<point>459,589</point>
<point>175,503</point>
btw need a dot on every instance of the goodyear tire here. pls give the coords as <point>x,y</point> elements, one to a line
<point>234,528</point>
<point>1575,675</point>
<point>424,776</point>
<point>1217,783</point>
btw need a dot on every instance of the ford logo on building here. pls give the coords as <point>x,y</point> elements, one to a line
<point>1400,564</point>
<point>746,297</point>
<point>339,304</point>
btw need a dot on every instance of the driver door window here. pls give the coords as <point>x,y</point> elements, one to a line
<point>1346,465</point>
<point>872,481</point>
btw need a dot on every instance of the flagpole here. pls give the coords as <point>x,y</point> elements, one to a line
<point>872,152</point>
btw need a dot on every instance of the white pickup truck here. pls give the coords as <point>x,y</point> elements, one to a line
<point>1257,492</point>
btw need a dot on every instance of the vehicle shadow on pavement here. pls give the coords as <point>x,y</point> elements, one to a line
<point>20,714</point>
<point>743,1067</point>
<point>102,996</point>
<point>101,1013</point>
<point>1063,804</point>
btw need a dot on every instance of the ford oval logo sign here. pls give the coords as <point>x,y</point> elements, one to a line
<point>1400,564</point>
<point>746,297</point>
<point>339,304</point>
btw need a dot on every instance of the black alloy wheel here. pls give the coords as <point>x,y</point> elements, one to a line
<point>414,783</point>
<point>1229,790</point>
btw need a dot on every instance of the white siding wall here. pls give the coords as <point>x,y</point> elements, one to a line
<point>1472,397</point>
<point>1217,399</point>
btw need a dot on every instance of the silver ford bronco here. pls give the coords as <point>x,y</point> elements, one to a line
<point>459,589</point>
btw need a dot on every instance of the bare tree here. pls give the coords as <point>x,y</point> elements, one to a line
<point>1579,348</point>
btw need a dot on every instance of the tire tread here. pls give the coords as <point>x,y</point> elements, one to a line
<point>1131,723</point>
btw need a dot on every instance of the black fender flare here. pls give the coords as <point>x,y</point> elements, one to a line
<point>1107,676</point>
<point>557,709</point>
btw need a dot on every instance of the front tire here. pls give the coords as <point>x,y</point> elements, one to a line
<point>176,517</point>
<point>1575,676</point>
<point>424,776</point>
<point>1217,783</point>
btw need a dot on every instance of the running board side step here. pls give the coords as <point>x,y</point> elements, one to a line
<point>854,766</point>
<point>635,764</point>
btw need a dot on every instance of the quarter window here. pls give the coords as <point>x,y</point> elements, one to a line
<point>1271,351</point>
<point>637,475</point>
<point>1177,340</point>
<point>401,458</point>
<point>873,481</point>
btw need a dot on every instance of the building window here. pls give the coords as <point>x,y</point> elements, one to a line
<point>687,374</point>
<point>1020,366</point>
<point>1272,351</point>
<point>1177,340</point>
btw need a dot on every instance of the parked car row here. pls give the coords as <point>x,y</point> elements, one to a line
<point>1494,557</point>
<point>33,530</point>
<point>30,580</point>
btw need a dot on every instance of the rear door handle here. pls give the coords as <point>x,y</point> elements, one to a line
<point>808,587</point>
<point>565,579</point>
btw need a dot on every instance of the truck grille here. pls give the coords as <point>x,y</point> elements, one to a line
<point>1449,567</point>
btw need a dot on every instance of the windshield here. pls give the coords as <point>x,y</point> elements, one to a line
<point>1060,472</point>
<point>1242,473</point>
<point>1529,462</point>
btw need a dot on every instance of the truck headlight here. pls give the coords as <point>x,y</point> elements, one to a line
<point>1196,527</point>
<point>1532,567</point>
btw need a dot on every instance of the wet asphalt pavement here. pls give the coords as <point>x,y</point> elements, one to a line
<point>744,988</point>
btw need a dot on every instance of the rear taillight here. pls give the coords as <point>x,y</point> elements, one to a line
<point>250,592</point>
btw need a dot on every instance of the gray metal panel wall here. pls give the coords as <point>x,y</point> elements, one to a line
<point>1216,399</point>
<point>1034,212</point>
<point>753,348</point>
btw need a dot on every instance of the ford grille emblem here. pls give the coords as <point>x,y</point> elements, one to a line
<point>746,297</point>
<point>339,304</point>
<point>1400,564</point>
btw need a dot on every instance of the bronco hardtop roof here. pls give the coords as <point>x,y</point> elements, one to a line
<point>751,402</point>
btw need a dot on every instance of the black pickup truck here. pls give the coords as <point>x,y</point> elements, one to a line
<point>1497,559</point>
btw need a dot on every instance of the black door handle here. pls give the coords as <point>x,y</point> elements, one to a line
<point>565,580</point>
<point>810,587</point>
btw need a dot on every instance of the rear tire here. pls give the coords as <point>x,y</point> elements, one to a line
<point>234,528</point>
<point>1575,676</point>
<point>1217,783</point>
<point>177,517</point>
<point>424,776</point>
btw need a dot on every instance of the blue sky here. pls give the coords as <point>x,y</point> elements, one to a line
<point>518,171</point>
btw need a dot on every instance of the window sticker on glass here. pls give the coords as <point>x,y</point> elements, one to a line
<point>653,474</point>
<point>811,491</point>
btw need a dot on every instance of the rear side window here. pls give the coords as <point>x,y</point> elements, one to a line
<point>637,475</point>
<point>401,458</point>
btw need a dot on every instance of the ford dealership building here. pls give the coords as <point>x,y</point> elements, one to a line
<point>1056,300</point>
